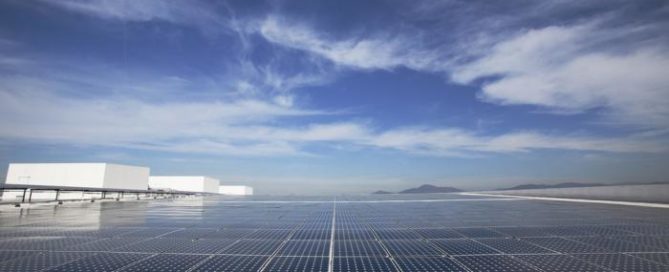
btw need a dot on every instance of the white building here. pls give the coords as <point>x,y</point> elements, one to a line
<point>198,184</point>
<point>90,175</point>
<point>94,175</point>
<point>235,190</point>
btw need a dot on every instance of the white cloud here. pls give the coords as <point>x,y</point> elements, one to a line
<point>382,52</point>
<point>561,68</point>
<point>254,128</point>
<point>177,11</point>
<point>556,67</point>
<point>210,18</point>
<point>458,142</point>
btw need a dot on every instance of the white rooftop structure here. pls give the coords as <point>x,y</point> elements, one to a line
<point>94,175</point>
<point>200,184</point>
<point>235,190</point>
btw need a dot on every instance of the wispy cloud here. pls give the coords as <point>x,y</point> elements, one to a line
<point>556,67</point>
<point>196,13</point>
<point>250,108</point>
<point>253,128</point>
<point>593,64</point>
<point>381,51</point>
<point>458,142</point>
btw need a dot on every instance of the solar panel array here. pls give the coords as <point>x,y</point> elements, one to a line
<point>375,233</point>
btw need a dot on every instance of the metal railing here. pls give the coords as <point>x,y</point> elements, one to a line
<point>27,191</point>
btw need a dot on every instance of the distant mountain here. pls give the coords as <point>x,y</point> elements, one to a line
<point>428,189</point>
<point>382,193</point>
<point>550,186</point>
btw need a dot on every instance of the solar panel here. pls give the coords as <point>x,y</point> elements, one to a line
<point>102,262</point>
<point>429,264</point>
<point>513,246</point>
<point>298,264</point>
<point>479,232</point>
<point>463,247</point>
<point>411,248</point>
<point>6,255</point>
<point>357,234</point>
<point>394,234</point>
<point>613,245</point>
<point>305,248</point>
<point>41,261</point>
<point>662,258</point>
<point>438,233</point>
<point>565,246</point>
<point>358,248</point>
<point>558,263</point>
<point>166,263</point>
<point>367,264</point>
<point>224,263</point>
<point>621,262</point>
<point>378,235</point>
<point>494,263</point>
<point>103,244</point>
<point>252,247</point>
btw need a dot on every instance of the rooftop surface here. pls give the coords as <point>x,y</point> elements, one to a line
<point>445,232</point>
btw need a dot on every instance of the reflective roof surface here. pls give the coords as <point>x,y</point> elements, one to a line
<point>438,232</point>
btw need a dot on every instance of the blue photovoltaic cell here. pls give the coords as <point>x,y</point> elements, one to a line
<point>565,246</point>
<point>358,248</point>
<point>405,233</point>
<point>396,234</point>
<point>662,258</point>
<point>513,246</point>
<point>6,255</point>
<point>494,263</point>
<point>621,262</point>
<point>305,248</point>
<point>557,263</point>
<point>428,264</point>
<point>166,263</point>
<point>41,261</point>
<point>368,264</point>
<point>102,262</point>
<point>298,264</point>
<point>463,247</point>
<point>252,247</point>
<point>438,233</point>
<point>479,233</point>
<point>411,248</point>
<point>224,263</point>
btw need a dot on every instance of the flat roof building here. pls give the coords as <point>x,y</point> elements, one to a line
<point>235,190</point>
<point>94,175</point>
<point>199,184</point>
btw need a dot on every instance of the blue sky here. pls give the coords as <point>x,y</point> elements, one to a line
<point>341,96</point>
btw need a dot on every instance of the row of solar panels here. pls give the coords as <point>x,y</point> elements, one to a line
<point>78,261</point>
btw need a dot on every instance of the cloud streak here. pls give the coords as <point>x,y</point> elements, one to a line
<point>564,68</point>
<point>254,128</point>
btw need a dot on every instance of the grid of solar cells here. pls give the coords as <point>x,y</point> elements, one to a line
<point>298,264</point>
<point>429,264</point>
<point>496,263</point>
<point>347,264</point>
<point>621,262</point>
<point>41,261</point>
<point>513,246</point>
<point>165,263</point>
<point>232,264</point>
<point>103,262</point>
<point>557,263</point>
<point>305,248</point>
<point>375,233</point>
